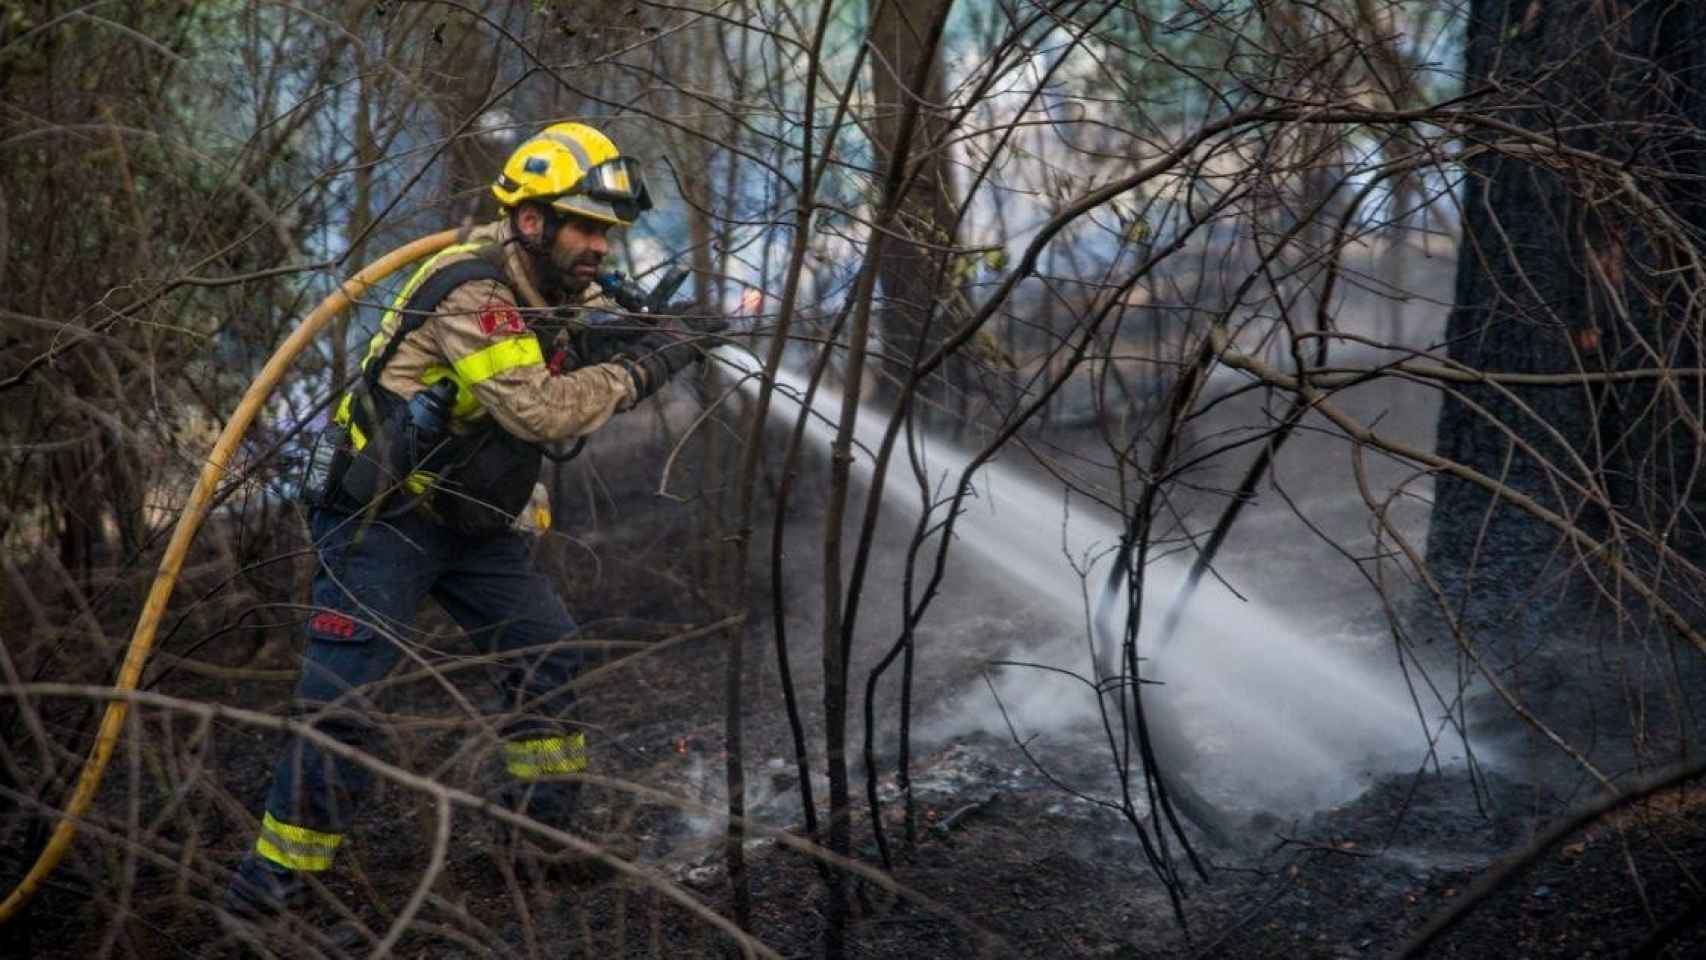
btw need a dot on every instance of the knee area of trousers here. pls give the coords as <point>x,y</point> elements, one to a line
<point>334,718</point>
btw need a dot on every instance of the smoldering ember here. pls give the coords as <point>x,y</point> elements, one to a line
<point>852,480</point>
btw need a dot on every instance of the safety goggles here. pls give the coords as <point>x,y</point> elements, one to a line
<point>617,182</point>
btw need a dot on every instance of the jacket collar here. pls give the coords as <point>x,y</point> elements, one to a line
<point>517,265</point>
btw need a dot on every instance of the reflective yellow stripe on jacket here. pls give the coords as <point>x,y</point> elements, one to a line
<point>497,358</point>
<point>296,848</point>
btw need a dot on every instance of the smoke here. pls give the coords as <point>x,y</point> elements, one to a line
<point>771,794</point>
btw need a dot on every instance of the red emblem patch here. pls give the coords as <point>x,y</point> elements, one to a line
<point>327,623</point>
<point>496,318</point>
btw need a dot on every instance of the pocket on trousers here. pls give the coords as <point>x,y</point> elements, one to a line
<point>334,626</point>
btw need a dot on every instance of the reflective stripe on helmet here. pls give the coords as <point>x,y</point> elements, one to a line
<point>296,848</point>
<point>575,149</point>
<point>546,756</point>
<point>498,358</point>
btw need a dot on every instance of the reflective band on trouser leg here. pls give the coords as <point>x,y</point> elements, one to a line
<point>296,848</point>
<point>546,756</point>
<point>504,355</point>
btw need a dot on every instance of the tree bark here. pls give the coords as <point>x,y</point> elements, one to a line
<point>914,258</point>
<point>1572,264</point>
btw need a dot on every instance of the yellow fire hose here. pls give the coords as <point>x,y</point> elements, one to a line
<point>195,511</point>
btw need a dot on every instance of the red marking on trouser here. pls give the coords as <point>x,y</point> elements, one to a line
<point>333,624</point>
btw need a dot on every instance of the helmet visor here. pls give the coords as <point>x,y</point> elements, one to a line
<point>618,182</point>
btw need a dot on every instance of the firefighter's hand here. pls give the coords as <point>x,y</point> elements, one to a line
<point>599,335</point>
<point>659,356</point>
<point>686,315</point>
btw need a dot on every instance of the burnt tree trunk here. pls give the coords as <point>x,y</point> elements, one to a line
<point>915,259</point>
<point>1577,263</point>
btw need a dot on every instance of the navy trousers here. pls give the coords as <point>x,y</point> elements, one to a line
<point>371,580</point>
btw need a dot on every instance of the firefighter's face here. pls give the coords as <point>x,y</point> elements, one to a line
<point>576,252</point>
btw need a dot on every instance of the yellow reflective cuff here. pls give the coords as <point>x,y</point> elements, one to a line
<point>504,355</point>
<point>296,834</point>
<point>418,482</point>
<point>296,848</point>
<point>301,862</point>
<point>545,757</point>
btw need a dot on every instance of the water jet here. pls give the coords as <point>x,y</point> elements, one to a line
<point>1272,717</point>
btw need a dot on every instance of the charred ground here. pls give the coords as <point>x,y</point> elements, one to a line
<point>1001,863</point>
<point>1003,866</point>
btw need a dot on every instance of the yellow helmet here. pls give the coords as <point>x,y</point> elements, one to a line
<point>578,171</point>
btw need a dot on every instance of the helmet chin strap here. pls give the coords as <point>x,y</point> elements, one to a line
<point>538,250</point>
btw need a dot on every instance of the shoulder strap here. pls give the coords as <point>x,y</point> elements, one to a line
<point>426,299</point>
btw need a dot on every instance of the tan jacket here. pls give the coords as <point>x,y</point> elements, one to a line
<point>482,335</point>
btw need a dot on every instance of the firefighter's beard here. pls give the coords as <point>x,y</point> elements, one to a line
<point>574,272</point>
<point>564,275</point>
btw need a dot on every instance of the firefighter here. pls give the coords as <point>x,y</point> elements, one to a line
<point>437,452</point>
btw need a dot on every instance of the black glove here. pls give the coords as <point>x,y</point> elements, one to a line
<point>657,357</point>
<point>686,313</point>
<point>599,336</point>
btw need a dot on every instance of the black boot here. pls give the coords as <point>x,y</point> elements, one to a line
<point>258,898</point>
<point>262,897</point>
<point>538,860</point>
